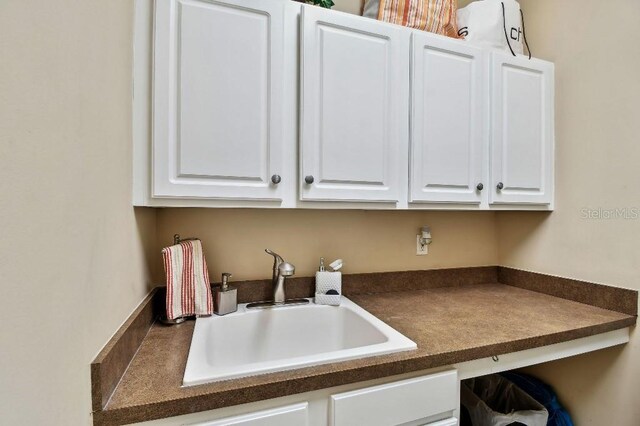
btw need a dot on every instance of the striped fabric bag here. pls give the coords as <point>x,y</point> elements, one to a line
<point>188,286</point>
<point>435,16</point>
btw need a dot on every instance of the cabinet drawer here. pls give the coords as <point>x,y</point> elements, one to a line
<point>398,402</point>
<point>290,415</point>
<point>452,421</point>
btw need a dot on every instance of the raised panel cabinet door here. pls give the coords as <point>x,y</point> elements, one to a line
<point>354,107</point>
<point>218,99</point>
<point>522,135</point>
<point>448,135</point>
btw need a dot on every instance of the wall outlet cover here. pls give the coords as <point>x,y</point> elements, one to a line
<point>420,249</point>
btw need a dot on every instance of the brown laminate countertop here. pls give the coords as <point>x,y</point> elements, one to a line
<point>449,325</point>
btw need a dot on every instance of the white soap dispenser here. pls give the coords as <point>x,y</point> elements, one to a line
<point>329,284</point>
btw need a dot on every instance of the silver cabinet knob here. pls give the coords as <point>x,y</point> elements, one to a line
<point>480,187</point>
<point>500,185</point>
<point>276,179</point>
<point>308,179</point>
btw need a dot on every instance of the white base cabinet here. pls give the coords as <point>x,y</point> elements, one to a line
<point>430,397</point>
<point>419,398</point>
<point>252,103</point>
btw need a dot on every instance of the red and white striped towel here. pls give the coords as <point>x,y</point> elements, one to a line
<point>188,288</point>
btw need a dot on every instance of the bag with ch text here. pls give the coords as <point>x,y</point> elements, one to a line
<point>497,24</point>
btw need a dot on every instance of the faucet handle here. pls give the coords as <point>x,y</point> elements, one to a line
<point>276,256</point>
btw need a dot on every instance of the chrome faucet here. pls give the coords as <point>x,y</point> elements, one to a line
<point>281,270</point>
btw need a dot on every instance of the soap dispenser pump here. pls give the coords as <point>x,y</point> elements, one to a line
<point>225,297</point>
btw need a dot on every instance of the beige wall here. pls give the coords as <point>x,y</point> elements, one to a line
<point>234,240</point>
<point>595,48</point>
<point>349,6</point>
<point>71,246</point>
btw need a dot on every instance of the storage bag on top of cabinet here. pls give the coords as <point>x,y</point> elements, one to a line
<point>497,24</point>
<point>435,16</point>
<point>495,401</point>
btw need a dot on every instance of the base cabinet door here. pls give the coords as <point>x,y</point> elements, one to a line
<point>218,99</point>
<point>522,136</point>
<point>354,111</point>
<point>448,132</point>
<point>418,401</point>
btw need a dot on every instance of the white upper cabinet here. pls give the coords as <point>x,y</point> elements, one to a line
<point>256,103</point>
<point>448,132</point>
<point>354,107</point>
<point>218,87</point>
<point>522,135</point>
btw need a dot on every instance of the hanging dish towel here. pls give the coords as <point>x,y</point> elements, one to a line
<point>188,288</point>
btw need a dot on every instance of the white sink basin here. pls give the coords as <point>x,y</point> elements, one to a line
<point>250,342</point>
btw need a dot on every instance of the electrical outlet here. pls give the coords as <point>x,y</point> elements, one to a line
<point>421,250</point>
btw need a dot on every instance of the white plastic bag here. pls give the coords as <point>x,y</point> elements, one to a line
<point>496,24</point>
<point>495,401</point>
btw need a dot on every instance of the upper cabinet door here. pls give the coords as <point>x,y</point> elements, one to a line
<point>218,99</point>
<point>354,114</point>
<point>448,135</point>
<point>522,130</point>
